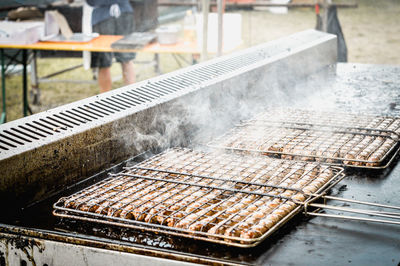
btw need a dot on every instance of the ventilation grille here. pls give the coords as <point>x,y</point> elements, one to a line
<point>47,124</point>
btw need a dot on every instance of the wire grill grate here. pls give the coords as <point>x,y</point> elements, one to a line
<point>345,139</point>
<point>217,197</point>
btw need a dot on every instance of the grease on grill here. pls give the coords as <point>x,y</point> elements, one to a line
<point>217,197</point>
<point>347,139</point>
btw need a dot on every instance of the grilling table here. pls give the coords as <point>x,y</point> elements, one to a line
<point>99,44</point>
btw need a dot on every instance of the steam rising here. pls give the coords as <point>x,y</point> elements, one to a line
<point>198,117</point>
<point>194,119</point>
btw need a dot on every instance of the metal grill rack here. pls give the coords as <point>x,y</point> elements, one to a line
<point>330,118</point>
<point>342,139</point>
<point>217,197</point>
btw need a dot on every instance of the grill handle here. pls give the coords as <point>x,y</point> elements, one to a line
<point>391,217</point>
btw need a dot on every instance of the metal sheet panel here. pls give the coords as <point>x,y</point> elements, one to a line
<point>19,250</point>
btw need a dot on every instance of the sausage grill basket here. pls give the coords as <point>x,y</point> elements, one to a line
<point>217,197</point>
<point>348,140</point>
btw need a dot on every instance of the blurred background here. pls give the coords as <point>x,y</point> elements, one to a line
<point>371,31</point>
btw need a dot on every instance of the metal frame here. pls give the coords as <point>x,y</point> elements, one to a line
<point>305,127</point>
<point>112,183</point>
<point>188,181</point>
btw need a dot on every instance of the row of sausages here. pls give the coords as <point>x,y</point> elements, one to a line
<point>225,195</point>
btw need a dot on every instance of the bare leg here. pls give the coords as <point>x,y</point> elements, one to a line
<point>128,72</point>
<point>104,78</point>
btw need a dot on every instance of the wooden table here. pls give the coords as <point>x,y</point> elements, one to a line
<point>99,44</point>
<point>103,44</point>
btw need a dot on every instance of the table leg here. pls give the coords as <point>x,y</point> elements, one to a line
<point>157,65</point>
<point>26,108</point>
<point>3,117</point>
<point>34,79</point>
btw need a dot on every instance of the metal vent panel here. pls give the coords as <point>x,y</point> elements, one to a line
<point>31,132</point>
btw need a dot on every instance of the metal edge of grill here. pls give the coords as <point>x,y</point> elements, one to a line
<point>75,214</point>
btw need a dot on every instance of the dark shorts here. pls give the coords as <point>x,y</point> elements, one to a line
<point>123,25</point>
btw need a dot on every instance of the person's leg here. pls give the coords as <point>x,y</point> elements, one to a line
<point>103,61</point>
<point>125,26</point>
<point>128,72</point>
<point>104,79</point>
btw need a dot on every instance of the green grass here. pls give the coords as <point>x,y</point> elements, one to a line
<point>59,93</point>
<point>372,33</point>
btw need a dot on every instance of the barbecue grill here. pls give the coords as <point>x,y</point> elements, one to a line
<point>337,138</point>
<point>52,159</point>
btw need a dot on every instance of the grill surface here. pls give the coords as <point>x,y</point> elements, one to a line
<point>359,89</point>
<point>338,138</point>
<point>222,198</point>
